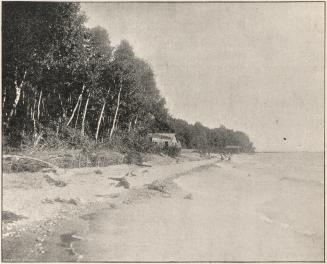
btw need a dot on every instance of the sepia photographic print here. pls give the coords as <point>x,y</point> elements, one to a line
<point>163,131</point>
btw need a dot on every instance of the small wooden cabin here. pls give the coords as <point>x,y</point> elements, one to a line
<point>164,139</point>
<point>232,149</point>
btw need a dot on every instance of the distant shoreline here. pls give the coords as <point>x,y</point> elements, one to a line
<point>290,151</point>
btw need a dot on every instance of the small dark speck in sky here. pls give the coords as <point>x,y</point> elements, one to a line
<point>284,138</point>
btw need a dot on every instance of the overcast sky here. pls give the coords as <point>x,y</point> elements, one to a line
<point>254,67</point>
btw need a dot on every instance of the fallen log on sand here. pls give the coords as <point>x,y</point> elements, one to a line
<point>143,165</point>
<point>51,181</point>
<point>121,182</point>
<point>30,158</point>
<point>52,169</point>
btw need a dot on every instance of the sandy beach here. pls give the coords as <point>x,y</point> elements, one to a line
<point>250,209</point>
<point>39,212</point>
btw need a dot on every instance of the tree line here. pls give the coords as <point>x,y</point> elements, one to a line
<point>62,79</point>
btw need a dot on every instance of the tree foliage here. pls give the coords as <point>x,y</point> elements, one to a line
<point>63,79</point>
<point>205,139</point>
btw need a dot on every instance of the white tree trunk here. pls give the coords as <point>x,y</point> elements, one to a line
<point>33,117</point>
<point>18,90</point>
<point>135,122</point>
<point>38,106</point>
<point>4,97</point>
<point>37,140</point>
<point>101,116</point>
<point>129,126</point>
<point>43,105</point>
<point>23,97</point>
<point>116,112</point>
<point>75,108</point>
<point>84,115</point>
<point>78,111</point>
<point>99,121</point>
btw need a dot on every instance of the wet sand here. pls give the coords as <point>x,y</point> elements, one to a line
<point>255,208</point>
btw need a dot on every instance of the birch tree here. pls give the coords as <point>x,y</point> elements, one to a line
<point>41,46</point>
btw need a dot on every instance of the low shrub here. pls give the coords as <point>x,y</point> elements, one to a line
<point>72,149</point>
<point>130,141</point>
<point>133,157</point>
<point>172,151</point>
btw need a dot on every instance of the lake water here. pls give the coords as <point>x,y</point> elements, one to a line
<point>262,207</point>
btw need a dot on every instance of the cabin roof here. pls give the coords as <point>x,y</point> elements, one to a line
<point>232,146</point>
<point>163,135</point>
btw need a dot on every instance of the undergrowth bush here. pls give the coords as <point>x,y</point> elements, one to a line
<point>172,151</point>
<point>133,157</point>
<point>126,142</point>
<point>92,153</point>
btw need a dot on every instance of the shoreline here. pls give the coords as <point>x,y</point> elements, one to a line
<point>187,210</point>
<point>230,203</point>
<point>44,239</point>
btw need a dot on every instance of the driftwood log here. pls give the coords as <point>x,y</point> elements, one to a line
<point>52,169</point>
<point>17,157</point>
<point>122,182</point>
<point>143,165</point>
